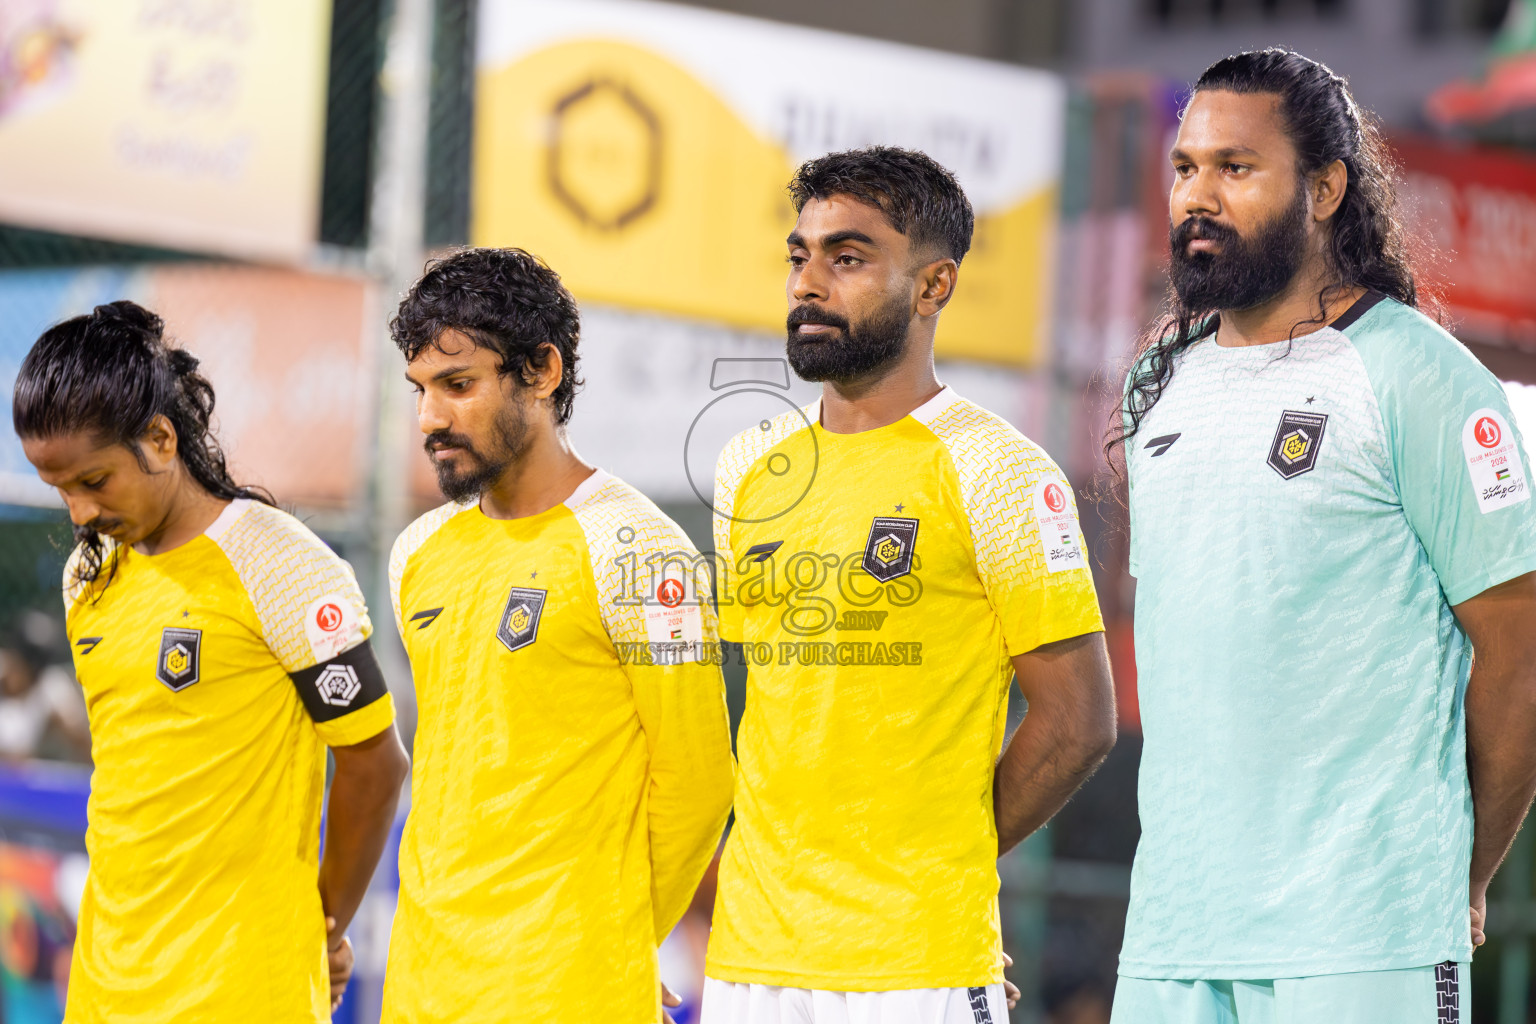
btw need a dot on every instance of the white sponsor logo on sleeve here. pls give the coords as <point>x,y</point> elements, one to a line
<point>1056,524</point>
<point>1493,460</point>
<point>330,622</point>
<point>337,685</point>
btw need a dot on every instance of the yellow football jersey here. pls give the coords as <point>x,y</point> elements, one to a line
<point>573,762</point>
<point>202,900</point>
<point>881,582</point>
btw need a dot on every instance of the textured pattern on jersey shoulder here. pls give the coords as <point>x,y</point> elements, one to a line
<point>410,541</point>
<point>998,470</point>
<point>618,521</point>
<point>740,455</point>
<point>285,568</point>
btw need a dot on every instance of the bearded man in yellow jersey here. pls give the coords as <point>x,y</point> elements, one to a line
<point>573,754</point>
<point>222,647</point>
<point>888,598</point>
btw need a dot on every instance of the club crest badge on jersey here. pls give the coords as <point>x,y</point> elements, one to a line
<point>181,657</point>
<point>520,619</point>
<point>888,551</point>
<point>1298,439</point>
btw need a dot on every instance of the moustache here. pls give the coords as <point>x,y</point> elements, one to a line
<point>444,439</point>
<point>1201,227</point>
<point>807,313</point>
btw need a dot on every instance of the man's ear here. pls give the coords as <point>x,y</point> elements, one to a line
<point>544,379</point>
<point>936,286</point>
<point>159,441</point>
<point>1328,187</point>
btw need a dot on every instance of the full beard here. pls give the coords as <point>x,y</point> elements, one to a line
<point>508,444</point>
<point>851,352</point>
<point>1248,270</point>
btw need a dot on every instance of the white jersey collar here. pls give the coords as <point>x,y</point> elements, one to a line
<point>588,487</point>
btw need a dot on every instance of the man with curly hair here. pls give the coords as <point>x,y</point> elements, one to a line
<point>573,756</point>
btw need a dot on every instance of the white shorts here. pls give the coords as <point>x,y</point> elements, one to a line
<point>729,1002</point>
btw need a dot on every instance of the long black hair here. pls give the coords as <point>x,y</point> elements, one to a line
<point>111,373</point>
<point>1367,244</point>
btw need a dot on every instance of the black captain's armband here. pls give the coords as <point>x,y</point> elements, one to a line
<point>349,681</point>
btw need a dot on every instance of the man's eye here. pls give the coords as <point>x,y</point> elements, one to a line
<point>847,260</point>
<point>94,485</point>
<point>796,261</point>
<point>458,385</point>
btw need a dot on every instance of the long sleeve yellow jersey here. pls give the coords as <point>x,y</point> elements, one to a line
<point>573,764</point>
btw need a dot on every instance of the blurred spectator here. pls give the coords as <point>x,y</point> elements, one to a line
<point>42,713</point>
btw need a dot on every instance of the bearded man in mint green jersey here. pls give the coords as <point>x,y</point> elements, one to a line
<point>1330,514</point>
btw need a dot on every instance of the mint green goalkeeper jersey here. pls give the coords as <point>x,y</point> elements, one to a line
<point>1304,516</point>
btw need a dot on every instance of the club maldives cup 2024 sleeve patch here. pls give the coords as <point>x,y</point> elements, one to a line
<point>674,623</point>
<point>1056,525</point>
<point>331,625</point>
<point>1493,460</point>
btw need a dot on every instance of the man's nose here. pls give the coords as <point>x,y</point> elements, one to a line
<point>431,413</point>
<point>81,510</point>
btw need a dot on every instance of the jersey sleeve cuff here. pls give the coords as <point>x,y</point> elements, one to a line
<point>1501,572</point>
<point>363,724</point>
<point>1088,621</point>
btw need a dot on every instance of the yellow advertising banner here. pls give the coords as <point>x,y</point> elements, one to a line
<point>643,150</point>
<point>196,124</point>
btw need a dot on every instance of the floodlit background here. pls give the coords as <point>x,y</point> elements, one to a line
<point>269,175</point>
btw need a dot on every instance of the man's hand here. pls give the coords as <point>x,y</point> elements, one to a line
<point>1010,990</point>
<point>1479,920</point>
<point>670,1000</point>
<point>338,953</point>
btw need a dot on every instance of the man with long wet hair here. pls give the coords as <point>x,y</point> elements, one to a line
<point>222,647</point>
<point>1330,514</point>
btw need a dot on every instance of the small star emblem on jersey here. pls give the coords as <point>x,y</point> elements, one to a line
<point>520,619</point>
<point>534,575</point>
<point>1298,439</point>
<point>888,550</point>
<point>180,661</point>
<point>899,506</point>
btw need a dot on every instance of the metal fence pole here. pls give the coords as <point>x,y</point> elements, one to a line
<point>1515,958</point>
<point>394,261</point>
<point>1026,888</point>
